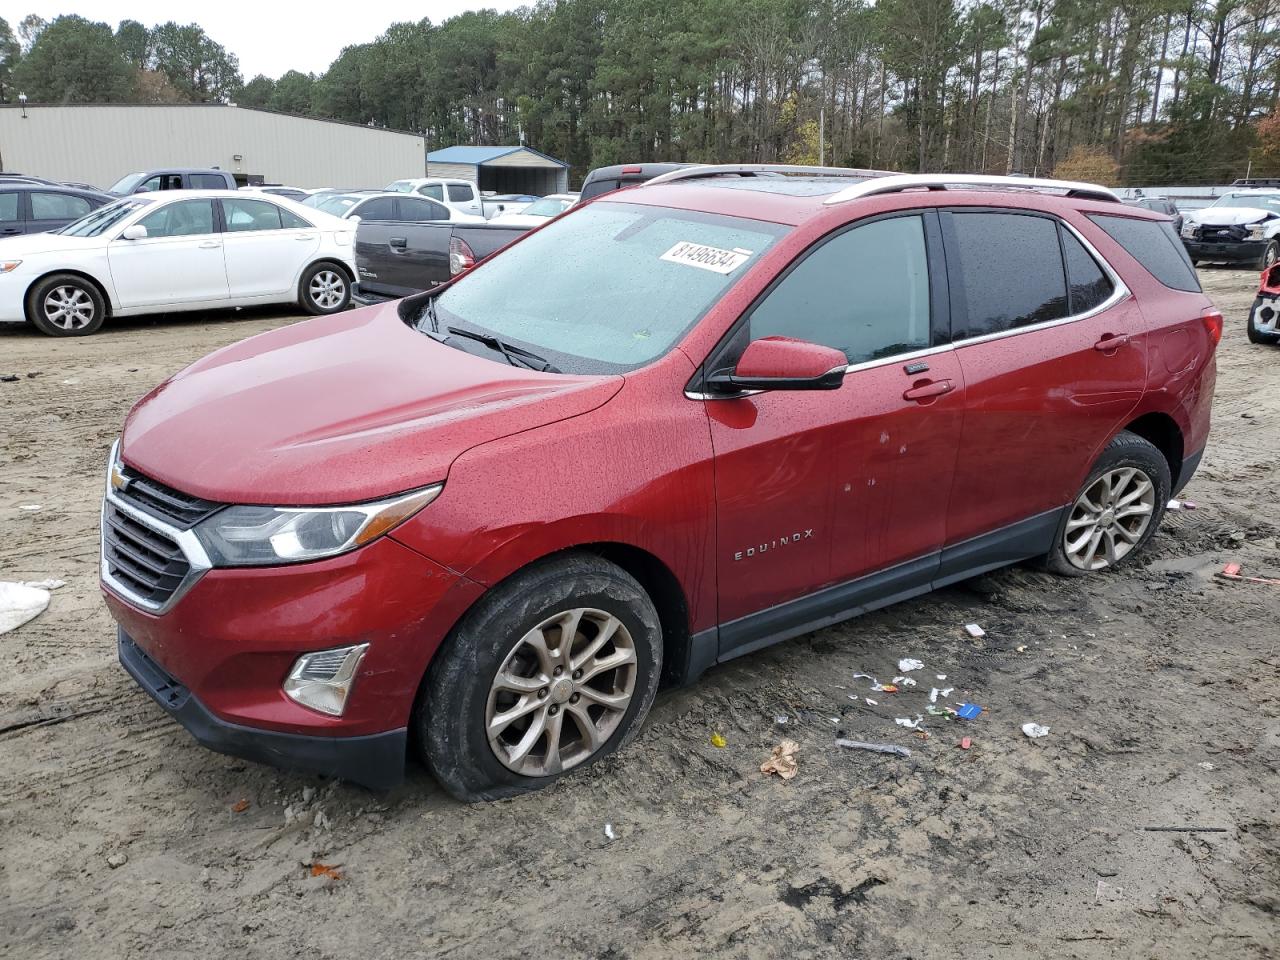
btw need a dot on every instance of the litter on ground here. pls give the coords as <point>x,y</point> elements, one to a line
<point>974,630</point>
<point>1034,730</point>
<point>19,603</point>
<point>890,748</point>
<point>965,743</point>
<point>908,722</point>
<point>968,711</point>
<point>782,760</point>
<point>608,832</point>
<point>907,664</point>
<point>718,741</point>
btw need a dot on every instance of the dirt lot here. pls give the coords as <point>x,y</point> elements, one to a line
<point>120,837</point>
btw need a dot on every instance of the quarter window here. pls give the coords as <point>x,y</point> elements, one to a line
<point>865,291</point>
<point>1008,273</point>
<point>291,221</point>
<point>246,215</point>
<point>188,218</point>
<point>1089,285</point>
<point>1154,245</point>
<point>58,206</point>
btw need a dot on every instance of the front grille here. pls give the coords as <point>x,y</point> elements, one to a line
<point>1229,234</point>
<point>153,497</point>
<point>146,562</point>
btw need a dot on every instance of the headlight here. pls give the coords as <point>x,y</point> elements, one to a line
<point>8,266</point>
<point>1188,230</point>
<point>1255,232</point>
<point>247,536</point>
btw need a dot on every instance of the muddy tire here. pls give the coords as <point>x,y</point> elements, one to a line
<point>1270,254</point>
<point>65,305</point>
<point>550,671</point>
<point>1117,510</point>
<point>325,288</point>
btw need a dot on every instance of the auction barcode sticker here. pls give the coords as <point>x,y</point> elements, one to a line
<point>708,258</point>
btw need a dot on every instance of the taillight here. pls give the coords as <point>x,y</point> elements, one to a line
<point>1271,280</point>
<point>627,170</point>
<point>1212,321</point>
<point>460,256</point>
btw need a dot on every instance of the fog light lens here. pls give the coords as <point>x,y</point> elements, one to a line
<point>323,680</point>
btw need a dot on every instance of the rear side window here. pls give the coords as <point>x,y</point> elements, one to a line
<point>460,193</point>
<point>1154,245</point>
<point>432,190</point>
<point>57,206</point>
<point>380,208</point>
<point>865,291</point>
<point>422,211</point>
<point>207,181</point>
<point>249,215</point>
<point>1089,285</point>
<point>8,206</point>
<point>1010,272</point>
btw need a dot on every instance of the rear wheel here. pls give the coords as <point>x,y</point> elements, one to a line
<point>552,670</point>
<point>324,289</point>
<point>1117,510</point>
<point>66,305</point>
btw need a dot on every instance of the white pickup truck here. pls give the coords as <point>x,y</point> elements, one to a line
<point>461,195</point>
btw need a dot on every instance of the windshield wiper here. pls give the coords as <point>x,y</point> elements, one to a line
<point>514,355</point>
<point>430,311</point>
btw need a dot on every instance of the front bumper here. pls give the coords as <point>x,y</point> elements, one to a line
<point>1230,251</point>
<point>375,761</point>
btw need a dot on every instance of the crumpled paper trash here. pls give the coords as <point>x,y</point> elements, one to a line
<point>783,760</point>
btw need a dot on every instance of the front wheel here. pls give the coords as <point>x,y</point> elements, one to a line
<point>66,305</point>
<point>1116,512</point>
<point>552,670</point>
<point>324,289</point>
<point>1269,255</point>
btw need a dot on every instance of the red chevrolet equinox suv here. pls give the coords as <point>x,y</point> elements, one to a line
<point>671,427</point>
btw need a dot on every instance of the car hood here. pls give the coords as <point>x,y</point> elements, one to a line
<point>28,245</point>
<point>338,410</point>
<point>1228,216</point>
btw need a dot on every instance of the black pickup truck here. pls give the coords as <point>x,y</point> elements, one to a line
<point>397,258</point>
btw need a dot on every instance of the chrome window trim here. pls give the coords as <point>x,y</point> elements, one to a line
<point>192,550</point>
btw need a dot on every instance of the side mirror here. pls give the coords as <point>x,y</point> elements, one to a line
<point>134,232</point>
<point>781,363</point>
<point>354,218</point>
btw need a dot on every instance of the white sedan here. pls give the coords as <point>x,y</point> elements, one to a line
<point>538,212</point>
<point>177,250</point>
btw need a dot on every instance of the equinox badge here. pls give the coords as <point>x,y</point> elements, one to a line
<point>765,547</point>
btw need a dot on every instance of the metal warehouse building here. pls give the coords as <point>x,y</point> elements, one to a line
<point>100,143</point>
<point>501,169</point>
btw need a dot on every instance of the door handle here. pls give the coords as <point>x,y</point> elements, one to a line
<point>399,243</point>
<point>210,245</point>
<point>925,391</point>
<point>11,230</point>
<point>1109,343</point>
<point>301,236</point>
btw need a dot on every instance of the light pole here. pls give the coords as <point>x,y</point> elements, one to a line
<point>22,100</point>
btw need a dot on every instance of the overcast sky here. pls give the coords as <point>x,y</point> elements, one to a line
<point>268,36</point>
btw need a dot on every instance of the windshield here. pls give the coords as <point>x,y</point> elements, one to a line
<point>126,184</point>
<point>547,207</point>
<point>1261,201</point>
<point>400,186</point>
<point>102,219</point>
<point>608,288</point>
<point>337,204</point>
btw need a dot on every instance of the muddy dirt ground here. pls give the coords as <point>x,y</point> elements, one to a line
<point>119,837</point>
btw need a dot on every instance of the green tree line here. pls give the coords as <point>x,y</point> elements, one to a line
<point>1139,91</point>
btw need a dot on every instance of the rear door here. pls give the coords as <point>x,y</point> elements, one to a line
<point>13,216</point>
<point>50,210</point>
<point>822,489</point>
<point>1053,356</point>
<point>178,261</point>
<point>266,247</point>
<point>416,258</point>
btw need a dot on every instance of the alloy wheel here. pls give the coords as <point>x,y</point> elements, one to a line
<point>68,308</point>
<point>1270,256</point>
<point>327,288</point>
<point>1109,519</point>
<point>561,692</point>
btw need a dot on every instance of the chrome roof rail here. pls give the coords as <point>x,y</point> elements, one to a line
<point>962,181</point>
<point>705,170</point>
